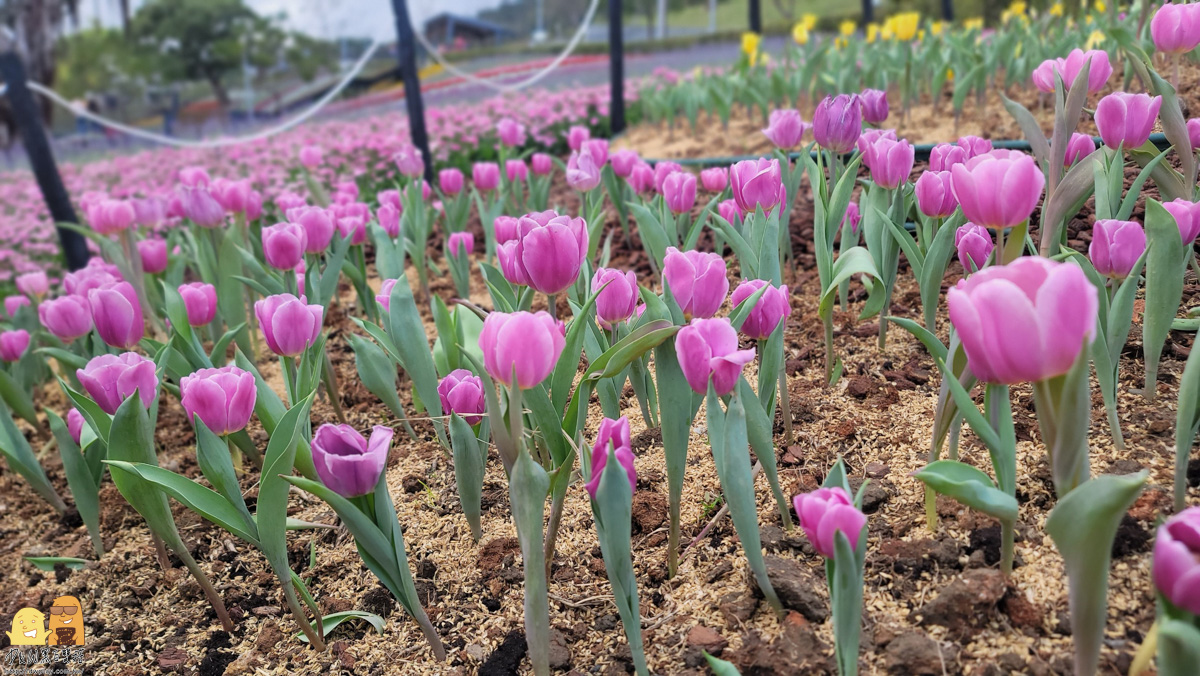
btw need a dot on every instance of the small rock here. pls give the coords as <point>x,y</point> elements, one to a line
<point>267,611</point>
<point>877,470</point>
<point>1023,612</point>
<point>919,556</point>
<point>172,659</point>
<point>560,653</point>
<point>412,484</point>
<point>772,537</point>
<point>915,654</point>
<point>796,587</point>
<point>737,607</point>
<point>706,639</point>
<point>649,511</point>
<point>606,622</point>
<point>966,601</point>
<point>268,637</point>
<point>861,386</point>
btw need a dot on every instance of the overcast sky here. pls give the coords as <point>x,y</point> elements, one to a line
<point>326,18</point>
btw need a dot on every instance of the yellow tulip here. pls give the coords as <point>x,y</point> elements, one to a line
<point>800,33</point>
<point>1096,39</point>
<point>847,28</point>
<point>750,44</point>
<point>950,74</point>
<point>905,24</point>
<point>1017,7</point>
<point>973,24</point>
<point>841,42</point>
<point>936,28</point>
<point>1056,9</point>
<point>872,32</point>
<point>1100,6</point>
<point>809,21</point>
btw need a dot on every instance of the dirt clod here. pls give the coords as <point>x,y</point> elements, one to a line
<point>505,660</point>
<point>796,587</point>
<point>649,511</point>
<point>966,602</point>
<point>915,654</point>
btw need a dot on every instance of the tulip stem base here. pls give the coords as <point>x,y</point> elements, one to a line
<point>210,592</point>
<point>557,502</point>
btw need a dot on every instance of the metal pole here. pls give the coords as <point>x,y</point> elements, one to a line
<point>616,61</point>
<point>41,158</point>
<point>755,17</point>
<point>406,47</point>
<point>948,10</point>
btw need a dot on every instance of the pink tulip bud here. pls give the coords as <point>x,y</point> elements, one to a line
<point>576,135</point>
<point>75,424</point>
<point>715,179</point>
<point>1098,73</point>
<point>459,244</point>
<point>461,392</point>
<point>943,156</point>
<point>318,227</point>
<point>153,253</point>
<point>824,513</point>
<point>583,173</point>
<point>231,195</point>
<point>222,397</point>
<point>13,304</point>
<point>346,191</point>
<point>661,171</point>
<point>598,147</point>
<point>729,210</point>
<point>348,464</point>
<point>620,294</point>
<point>550,250</point>
<point>1175,28</point>
<point>288,201</point>
<point>504,228</point>
<point>1177,559</point>
<point>1186,214</point>
<point>613,434</point>
<point>974,146</point>
<point>254,206</point>
<point>289,324</point>
<point>389,219</point>
<point>541,164</point>
<point>974,245</point>
<point>757,183</point>
<point>1193,130</point>
<point>409,162</point>
<point>679,191</point>
<point>511,133</point>
<point>697,281</point>
<point>852,216</point>
<point>117,315</point>
<point>1045,74</point>
<point>837,122</point>
<point>510,263</point>
<point>1126,120</point>
<point>623,162</point>
<point>891,162</point>
<point>998,189</point>
<point>1116,246</point>
<point>486,176</point>
<point>384,297</point>
<point>773,307</point>
<point>707,350</point>
<point>1026,321</point>
<point>874,106</point>
<point>641,178</point>
<point>389,198</point>
<point>311,156</point>
<point>33,284</point>
<point>111,379</point>
<point>194,177</point>
<point>353,228</point>
<point>785,128</point>
<point>868,138</point>
<point>283,245</point>
<point>200,207</point>
<point>13,344</point>
<point>528,344</point>
<point>516,170</point>
<point>450,181</point>
<point>67,317</point>
<point>110,216</point>
<point>1079,147</point>
<point>935,194</point>
<point>200,301</point>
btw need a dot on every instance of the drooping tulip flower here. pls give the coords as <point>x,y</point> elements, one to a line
<point>222,397</point>
<point>200,207</point>
<point>773,307</point>
<point>974,245</point>
<point>935,194</point>
<point>785,128</point>
<point>460,243</point>
<point>318,227</point>
<point>679,192</point>
<point>1079,147</point>
<point>874,106</point>
<point>1175,28</point>
<point>837,123</point>
<point>614,434</point>
<point>311,156</point>
<point>528,344</point>
<point>67,317</point>
<point>75,424</point>
<point>348,464</point>
<point>623,162</point>
<point>998,189</point>
<point>550,250</point>
<point>409,161</point>
<point>1125,119</point>
<point>516,170</point>
<point>289,324</point>
<point>707,350</point>
<point>1177,560</point>
<point>757,183</point>
<point>461,392</point>
<point>697,280</point>
<point>200,301</point>
<point>943,156</point>
<point>13,344</point>
<point>511,132</point>
<point>661,171</point>
<point>13,304</point>
<point>117,315</point>
<point>618,298</point>
<point>541,164</point>
<point>891,162</point>
<point>583,173</point>
<point>34,284</point>
<point>486,176</point>
<point>153,253</point>
<point>283,245</point>
<point>110,379</point>
<point>576,135</point>
<point>1186,214</point>
<point>1025,321</point>
<point>388,217</point>
<point>825,512</point>
<point>714,179</point>
<point>1116,246</point>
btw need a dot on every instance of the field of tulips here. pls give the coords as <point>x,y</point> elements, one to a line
<point>848,405</point>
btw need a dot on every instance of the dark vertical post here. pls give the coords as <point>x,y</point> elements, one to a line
<point>616,63</point>
<point>948,10</point>
<point>41,158</point>
<point>406,47</point>
<point>868,12</point>
<point>755,16</point>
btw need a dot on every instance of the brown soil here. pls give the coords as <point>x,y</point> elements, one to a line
<point>934,602</point>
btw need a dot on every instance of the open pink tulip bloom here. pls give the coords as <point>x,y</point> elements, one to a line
<point>1177,560</point>
<point>1126,120</point>
<point>527,343</point>
<point>222,397</point>
<point>823,513</point>
<point>549,250</point>
<point>111,379</point>
<point>771,309</point>
<point>707,349</point>
<point>999,189</point>
<point>461,392</point>
<point>697,281</point>
<point>289,324</point>
<point>348,464</point>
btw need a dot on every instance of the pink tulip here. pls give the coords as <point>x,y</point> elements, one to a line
<point>1098,73</point>
<point>283,245</point>
<point>200,207</point>
<point>510,263</point>
<point>1186,214</point>
<point>773,307</point>
<point>504,228</point>
<point>528,344</point>
<point>353,228</point>
<point>348,464</point>
<point>661,171</point>
<point>13,344</point>
<point>998,189</point>
<point>386,198</point>
<point>707,350</point>
<point>516,170</point>
<point>1126,120</point>
<point>641,178</point>
<point>697,281</point>
<point>233,196</point>
<point>943,156</point>
<point>153,253</point>
<point>461,392</point>
<point>450,181</point>
<point>194,177</point>
<point>1044,76</point>
<point>837,123</point>
<point>289,324</point>
<point>715,179</point>
<point>254,206</point>
<point>33,284</point>
<point>67,317</point>
<point>935,194</point>
<point>679,192</point>
<point>384,297</point>
<point>974,245</point>
<point>117,315</point>
<point>623,162</point>
<point>111,379</point>
<point>110,216</point>
<point>150,212</point>
<point>616,301</point>
<point>1177,559</point>
<point>1193,130</point>
<point>583,173</point>
<point>824,513</point>
<point>1116,246</point>
<point>974,146</point>
<point>598,147</point>
<point>612,434</point>
<point>541,164</point>
<point>200,301</point>
<point>318,227</point>
<point>756,183</point>
<point>852,216</point>
<point>729,210</point>
<point>1026,321</point>
<point>388,217</point>
<point>486,176</point>
<point>576,135</point>
<point>1079,147</point>
<point>310,156</point>
<point>785,128</point>
<point>868,138</point>
<point>75,424</point>
<point>288,201</point>
<point>891,162</point>
<point>874,106</point>
<point>13,304</point>
<point>409,161</point>
<point>1175,28</point>
<point>459,244</point>
<point>511,132</point>
<point>222,397</point>
<point>550,250</point>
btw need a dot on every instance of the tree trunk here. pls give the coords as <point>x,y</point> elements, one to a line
<point>125,17</point>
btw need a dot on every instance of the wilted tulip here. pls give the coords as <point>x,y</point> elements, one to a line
<point>348,464</point>
<point>486,176</point>
<point>1175,28</point>
<point>757,183</point>
<point>837,123</point>
<point>707,350</point>
<point>111,379</point>
<point>1177,560</point>
<point>1125,120</point>
<point>772,307</point>
<point>283,245</point>
<point>461,392</point>
<point>616,301</point>
<point>550,250</point>
<point>824,513</point>
<point>34,284</point>
<point>612,434</point>
<point>785,128</point>
<point>874,106</point>
<point>1026,321</point>
<point>714,179</point>
<point>679,192</point>
<point>935,194</point>
<point>697,281</point>
<point>528,344</point>
<point>222,397</point>
<point>117,315</point>
<point>998,189</point>
<point>891,162</point>
<point>67,317</point>
<point>13,344</point>
<point>289,324</point>
<point>974,245</point>
<point>200,301</point>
